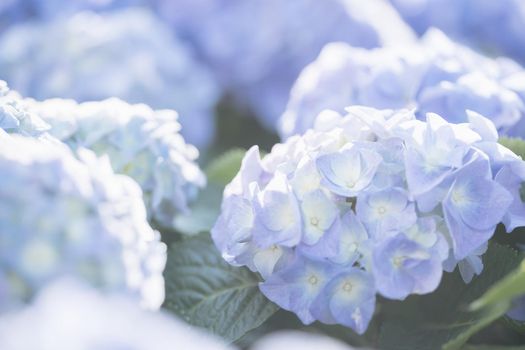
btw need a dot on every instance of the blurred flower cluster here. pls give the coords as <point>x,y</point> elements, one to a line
<point>140,142</point>
<point>64,216</point>
<point>373,202</point>
<point>391,169</point>
<point>434,75</point>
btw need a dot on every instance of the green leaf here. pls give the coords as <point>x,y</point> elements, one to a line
<point>207,292</point>
<point>224,168</point>
<point>203,212</point>
<point>510,287</point>
<point>515,144</point>
<point>442,320</point>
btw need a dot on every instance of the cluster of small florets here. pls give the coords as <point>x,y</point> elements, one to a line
<point>63,216</point>
<point>372,202</point>
<point>257,48</point>
<point>127,54</point>
<point>14,116</point>
<point>142,143</point>
<point>434,75</point>
<point>493,26</point>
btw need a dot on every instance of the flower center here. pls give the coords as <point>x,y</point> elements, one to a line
<point>381,210</point>
<point>314,221</point>
<point>398,261</point>
<point>313,280</point>
<point>347,287</point>
<point>350,184</point>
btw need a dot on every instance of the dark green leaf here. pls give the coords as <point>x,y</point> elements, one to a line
<point>205,291</point>
<point>441,320</point>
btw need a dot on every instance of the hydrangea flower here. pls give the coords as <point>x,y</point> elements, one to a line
<point>128,54</point>
<point>140,142</point>
<point>63,216</point>
<point>14,116</point>
<point>495,27</point>
<point>258,47</point>
<point>70,315</point>
<point>433,75</point>
<point>373,202</point>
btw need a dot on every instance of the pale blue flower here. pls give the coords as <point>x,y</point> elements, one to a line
<point>296,286</point>
<point>349,171</point>
<point>60,215</point>
<point>387,212</point>
<point>473,206</point>
<point>348,299</point>
<point>403,267</point>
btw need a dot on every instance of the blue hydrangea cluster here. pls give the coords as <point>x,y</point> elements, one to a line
<point>258,47</point>
<point>373,202</point>
<point>434,75</point>
<point>128,54</point>
<point>495,27</point>
<point>142,143</point>
<point>61,215</point>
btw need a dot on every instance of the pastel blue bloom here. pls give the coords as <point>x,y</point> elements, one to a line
<point>140,142</point>
<point>257,48</point>
<point>278,215</point>
<point>386,212</point>
<point>474,205</point>
<point>348,299</point>
<point>354,241</point>
<point>375,201</point>
<point>434,151</point>
<point>62,215</point>
<point>127,54</point>
<point>295,287</point>
<point>349,171</point>
<point>433,75</point>
<point>403,267</point>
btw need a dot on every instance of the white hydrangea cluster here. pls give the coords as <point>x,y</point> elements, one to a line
<point>433,75</point>
<point>128,54</point>
<point>63,216</point>
<point>142,143</point>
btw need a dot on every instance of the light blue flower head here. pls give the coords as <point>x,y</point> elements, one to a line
<point>257,48</point>
<point>63,216</point>
<point>127,54</point>
<point>373,202</point>
<point>142,143</point>
<point>432,75</point>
